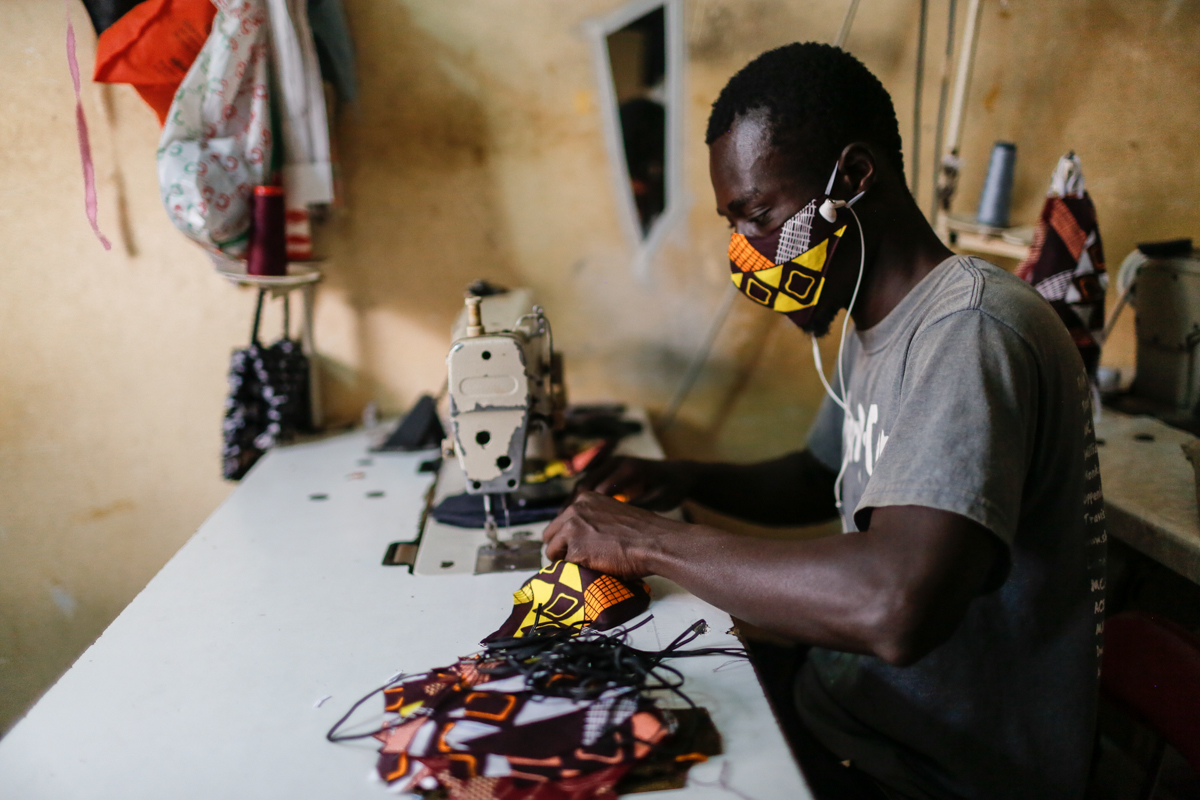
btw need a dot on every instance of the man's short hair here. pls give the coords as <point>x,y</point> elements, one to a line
<point>817,99</point>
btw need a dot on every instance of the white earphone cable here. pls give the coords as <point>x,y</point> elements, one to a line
<point>842,401</point>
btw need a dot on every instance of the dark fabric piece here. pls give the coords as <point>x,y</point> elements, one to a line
<point>467,510</point>
<point>335,47</point>
<point>569,595</point>
<point>105,12</point>
<point>419,430</point>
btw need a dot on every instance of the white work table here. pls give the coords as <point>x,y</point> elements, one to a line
<point>209,684</point>
<point>1150,490</point>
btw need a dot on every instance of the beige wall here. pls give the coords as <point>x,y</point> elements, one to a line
<point>475,151</point>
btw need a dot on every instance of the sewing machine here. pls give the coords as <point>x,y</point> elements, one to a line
<point>506,397</point>
<point>505,386</point>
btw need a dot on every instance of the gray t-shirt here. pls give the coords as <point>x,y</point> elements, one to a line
<point>970,397</point>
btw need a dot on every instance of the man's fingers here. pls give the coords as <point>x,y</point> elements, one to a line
<point>556,546</point>
<point>597,474</point>
<point>552,528</point>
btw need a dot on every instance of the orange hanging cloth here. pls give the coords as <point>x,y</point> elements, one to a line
<point>153,46</point>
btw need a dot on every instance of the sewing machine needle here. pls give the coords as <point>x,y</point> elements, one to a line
<point>489,524</point>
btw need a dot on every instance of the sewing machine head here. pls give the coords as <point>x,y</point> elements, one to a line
<point>505,386</point>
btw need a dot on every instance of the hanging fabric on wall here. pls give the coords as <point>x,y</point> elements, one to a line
<point>152,47</point>
<point>1066,262</point>
<point>217,143</point>
<point>335,48</point>
<point>304,126</point>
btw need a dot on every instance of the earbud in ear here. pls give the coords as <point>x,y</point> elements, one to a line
<point>829,208</point>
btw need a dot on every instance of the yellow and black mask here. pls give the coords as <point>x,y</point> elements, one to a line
<point>566,595</point>
<point>786,270</point>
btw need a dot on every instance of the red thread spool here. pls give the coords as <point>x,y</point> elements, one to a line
<point>268,244</point>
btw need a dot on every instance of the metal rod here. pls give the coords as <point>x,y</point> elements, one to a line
<point>962,80</point>
<point>914,169</point>
<point>943,97</point>
<point>846,23</point>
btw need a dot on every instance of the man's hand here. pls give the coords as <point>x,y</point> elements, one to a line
<point>896,590</point>
<point>656,485</point>
<point>606,535</point>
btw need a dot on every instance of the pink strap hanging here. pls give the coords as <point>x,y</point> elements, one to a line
<point>85,147</point>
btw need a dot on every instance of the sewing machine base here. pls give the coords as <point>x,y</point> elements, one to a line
<point>509,556</point>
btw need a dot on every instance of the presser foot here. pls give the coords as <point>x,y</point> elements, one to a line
<point>518,553</point>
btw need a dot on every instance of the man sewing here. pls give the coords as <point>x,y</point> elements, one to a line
<point>955,627</point>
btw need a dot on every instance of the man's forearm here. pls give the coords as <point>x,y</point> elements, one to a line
<point>895,590</point>
<point>820,592</point>
<point>796,489</point>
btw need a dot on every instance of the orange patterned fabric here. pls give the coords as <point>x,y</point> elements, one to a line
<point>604,592</point>
<point>1067,227</point>
<point>743,254</point>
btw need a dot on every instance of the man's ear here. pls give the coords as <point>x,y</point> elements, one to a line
<point>857,169</point>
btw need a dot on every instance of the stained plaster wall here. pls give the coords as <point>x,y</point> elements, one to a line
<point>476,150</point>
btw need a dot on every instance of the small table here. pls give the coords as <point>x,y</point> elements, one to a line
<point>1150,490</point>
<point>221,678</point>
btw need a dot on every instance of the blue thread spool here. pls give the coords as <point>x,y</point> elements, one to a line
<point>996,197</point>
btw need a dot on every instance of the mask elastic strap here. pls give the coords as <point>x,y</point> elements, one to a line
<point>832,178</point>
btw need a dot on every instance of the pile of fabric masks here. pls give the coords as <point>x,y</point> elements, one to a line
<point>552,709</point>
<point>238,86</point>
<point>1066,261</point>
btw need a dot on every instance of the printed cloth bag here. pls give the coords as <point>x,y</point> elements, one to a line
<point>216,145</point>
<point>268,399</point>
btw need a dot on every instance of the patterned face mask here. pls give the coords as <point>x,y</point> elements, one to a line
<point>785,270</point>
<point>568,595</point>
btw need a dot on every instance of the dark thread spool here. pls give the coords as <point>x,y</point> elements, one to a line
<point>268,243</point>
<point>996,198</point>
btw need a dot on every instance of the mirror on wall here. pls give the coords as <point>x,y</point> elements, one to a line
<point>639,57</point>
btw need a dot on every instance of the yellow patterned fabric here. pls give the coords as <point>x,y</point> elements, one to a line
<point>567,595</point>
<point>788,287</point>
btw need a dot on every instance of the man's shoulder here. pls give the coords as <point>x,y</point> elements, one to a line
<point>974,287</point>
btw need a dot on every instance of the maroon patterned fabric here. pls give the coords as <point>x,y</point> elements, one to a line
<point>1066,264</point>
<point>476,726</point>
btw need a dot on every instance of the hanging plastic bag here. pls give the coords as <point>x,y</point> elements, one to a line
<point>217,143</point>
